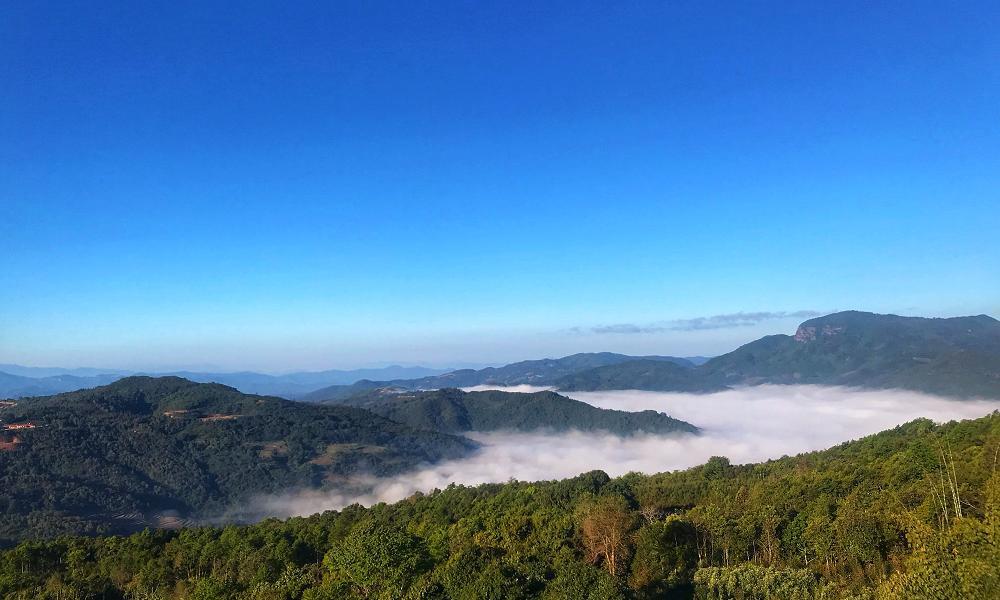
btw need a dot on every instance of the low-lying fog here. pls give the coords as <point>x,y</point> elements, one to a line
<point>746,425</point>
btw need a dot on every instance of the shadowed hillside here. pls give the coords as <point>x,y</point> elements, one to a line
<point>455,411</point>
<point>131,453</point>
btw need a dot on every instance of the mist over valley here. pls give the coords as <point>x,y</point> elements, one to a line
<point>499,301</point>
<point>745,425</point>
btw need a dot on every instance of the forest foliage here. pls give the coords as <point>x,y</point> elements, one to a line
<point>114,458</point>
<point>148,451</point>
<point>912,512</point>
<point>452,410</point>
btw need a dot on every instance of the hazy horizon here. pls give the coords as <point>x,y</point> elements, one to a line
<point>662,337</point>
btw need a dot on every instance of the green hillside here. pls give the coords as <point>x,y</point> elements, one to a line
<point>910,513</point>
<point>639,375</point>
<point>955,357</point>
<point>455,411</point>
<point>140,450</point>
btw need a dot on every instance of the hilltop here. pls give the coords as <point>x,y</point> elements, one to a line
<point>128,454</point>
<point>454,411</point>
<point>957,357</point>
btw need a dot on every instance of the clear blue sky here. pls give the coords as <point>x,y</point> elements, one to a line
<point>343,184</point>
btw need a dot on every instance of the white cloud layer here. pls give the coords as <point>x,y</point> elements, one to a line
<point>746,425</point>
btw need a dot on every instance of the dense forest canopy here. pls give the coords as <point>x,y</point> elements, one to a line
<point>455,411</point>
<point>144,450</point>
<point>913,512</point>
<point>161,451</point>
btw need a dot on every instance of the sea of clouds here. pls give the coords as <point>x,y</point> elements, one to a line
<point>746,425</point>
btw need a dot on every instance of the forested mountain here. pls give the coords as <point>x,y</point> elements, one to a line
<point>123,455</point>
<point>910,513</point>
<point>957,357</point>
<point>454,411</point>
<point>542,372</point>
<point>638,375</point>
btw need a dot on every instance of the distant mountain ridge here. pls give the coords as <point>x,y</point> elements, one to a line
<point>542,372</point>
<point>39,372</point>
<point>18,382</point>
<point>20,386</point>
<point>955,356</point>
<point>958,356</point>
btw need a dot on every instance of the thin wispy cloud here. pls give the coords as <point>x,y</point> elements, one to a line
<point>725,321</point>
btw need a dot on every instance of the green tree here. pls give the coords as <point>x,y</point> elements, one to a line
<point>380,561</point>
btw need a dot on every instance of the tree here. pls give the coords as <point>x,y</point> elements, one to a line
<point>665,559</point>
<point>605,527</point>
<point>577,581</point>
<point>959,562</point>
<point>717,467</point>
<point>380,561</point>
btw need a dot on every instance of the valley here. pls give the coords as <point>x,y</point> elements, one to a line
<point>499,301</point>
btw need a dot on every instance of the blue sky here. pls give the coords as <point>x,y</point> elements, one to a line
<point>281,187</point>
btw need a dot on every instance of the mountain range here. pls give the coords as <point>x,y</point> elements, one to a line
<point>144,450</point>
<point>17,381</point>
<point>958,356</point>
<point>543,372</point>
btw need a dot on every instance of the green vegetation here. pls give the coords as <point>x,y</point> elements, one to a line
<point>954,357</point>
<point>958,356</point>
<point>142,450</point>
<point>455,411</point>
<point>546,371</point>
<point>913,512</point>
<point>639,375</point>
<point>161,451</point>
